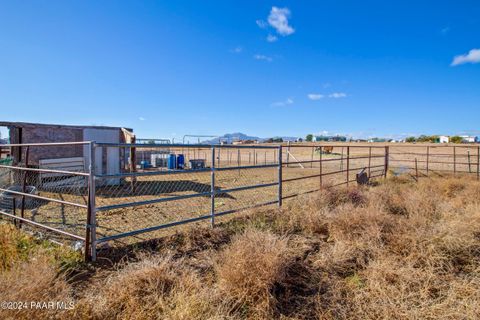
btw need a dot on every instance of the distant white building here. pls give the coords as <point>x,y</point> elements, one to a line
<point>444,139</point>
<point>469,139</point>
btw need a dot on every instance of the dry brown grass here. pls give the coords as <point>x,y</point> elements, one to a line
<point>32,271</point>
<point>156,287</point>
<point>35,281</point>
<point>400,250</point>
<point>248,269</point>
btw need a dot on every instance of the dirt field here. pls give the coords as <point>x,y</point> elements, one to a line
<point>300,161</point>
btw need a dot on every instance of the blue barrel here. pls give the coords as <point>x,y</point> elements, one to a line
<point>172,161</point>
<point>180,161</point>
<point>144,164</point>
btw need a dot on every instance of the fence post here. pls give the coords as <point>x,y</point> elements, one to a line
<point>369,162</point>
<point>212,190</point>
<point>428,159</point>
<point>469,164</point>
<point>288,153</point>
<point>280,176</point>
<point>313,151</point>
<point>133,164</point>
<point>238,158</point>
<point>14,211</point>
<point>387,151</point>
<point>348,166</point>
<point>454,160</point>
<point>91,231</point>
<point>24,186</point>
<point>321,169</point>
<point>341,161</point>
<point>416,169</point>
<point>478,163</point>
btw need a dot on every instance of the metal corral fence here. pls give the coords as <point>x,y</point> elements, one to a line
<point>137,192</point>
<point>50,194</point>
<point>422,160</point>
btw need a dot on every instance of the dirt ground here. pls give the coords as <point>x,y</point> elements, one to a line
<point>301,174</point>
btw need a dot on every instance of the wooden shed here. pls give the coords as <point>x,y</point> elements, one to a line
<point>110,160</point>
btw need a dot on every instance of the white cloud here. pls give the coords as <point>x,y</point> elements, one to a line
<point>473,56</point>
<point>283,103</point>
<point>271,38</point>
<point>141,118</point>
<point>262,57</point>
<point>337,95</point>
<point>262,24</point>
<point>315,96</point>
<point>445,30</point>
<point>278,19</point>
<point>237,49</point>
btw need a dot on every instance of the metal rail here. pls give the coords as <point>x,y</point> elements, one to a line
<point>44,198</point>
<point>182,145</point>
<point>177,223</point>
<point>145,202</point>
<point>279,179</point>
<point>37,224</point>
<point>73,173</point>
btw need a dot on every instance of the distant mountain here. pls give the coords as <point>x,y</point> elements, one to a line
<point>230,137</point>
<point>238,136</point>
<point>293,139</point>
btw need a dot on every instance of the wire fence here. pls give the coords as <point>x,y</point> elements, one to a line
<point>51,195</point>
<point>423,160</point>
<point>99,193</point>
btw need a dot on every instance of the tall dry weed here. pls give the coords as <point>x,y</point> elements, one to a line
<point>249,268</point>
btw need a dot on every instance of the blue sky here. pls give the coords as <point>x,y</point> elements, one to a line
<point>265,68</point>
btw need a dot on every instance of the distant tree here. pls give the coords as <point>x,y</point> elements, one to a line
<point>411,139</point>
<point>423,138</point>
<point>432,139</point>
<point>456,139</point>
<point>309,137</point>
<point>274,140</point>
<point>300,140</point>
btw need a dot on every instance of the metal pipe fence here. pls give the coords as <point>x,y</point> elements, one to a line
<point>426,159</point>
<point>181,184</point>
<point>41,194</point>
<point>95,193</point>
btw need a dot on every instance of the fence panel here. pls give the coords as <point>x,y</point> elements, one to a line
<point>308,168</point>
<point>98,192</point>
<point>180,184</point>
<point>435,159</point>
<point>45,188</point>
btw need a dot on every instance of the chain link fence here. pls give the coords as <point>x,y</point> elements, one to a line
<point>47,196</point>
<point>165,185</point>
<point>96,194</point>
<point>308,168</point>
